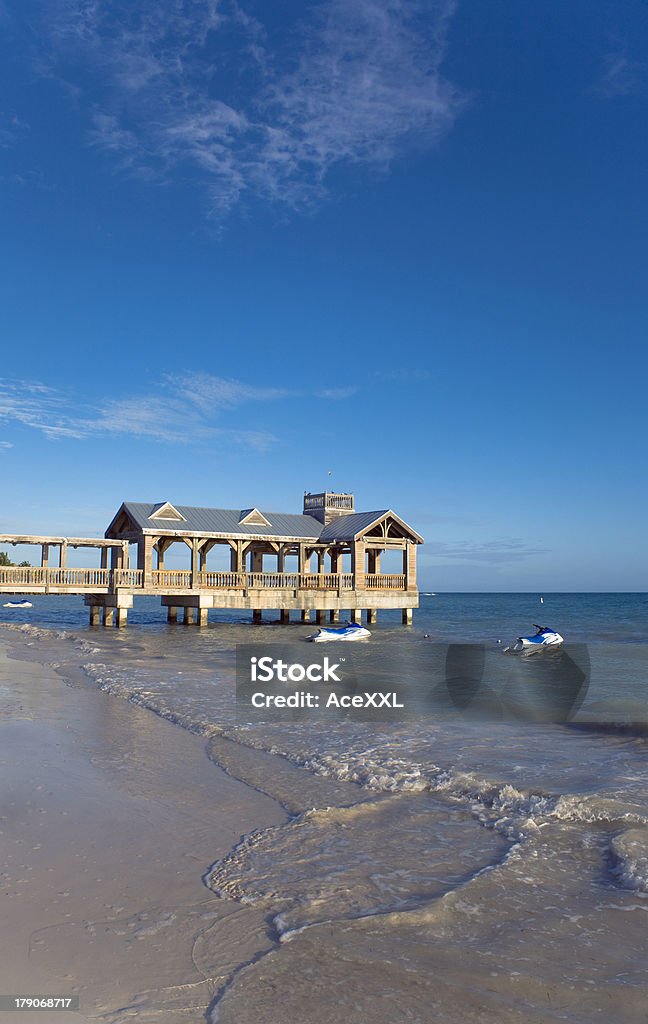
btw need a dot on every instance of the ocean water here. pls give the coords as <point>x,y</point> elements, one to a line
<point>463,865</point>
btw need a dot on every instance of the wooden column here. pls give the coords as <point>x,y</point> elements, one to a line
<point>372,615</point>
<point>284,615</point>
<point>407,616</point>
<point>122,616</point>
<point>44,555</point>
<point>108,616</point>
<point>62,555</point>
<point>172,613</point>
<point>409,566</point>
<point>145,558</point>
<point>281,558</point>
<point>195,564</point>
<point>104,558</point>
<point>358,552</point>
<point>95,614</point>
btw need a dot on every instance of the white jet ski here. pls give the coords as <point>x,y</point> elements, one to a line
<point>17,604</point>
<point>545,637</point>
<point>352,631</point>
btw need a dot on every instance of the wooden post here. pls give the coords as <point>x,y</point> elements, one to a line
<point>104,558</point>
<point>172,613</point>
<point>95,614</point>
<point>371,615</point>
<point>195,564</point>
<point>320,617</point>
<point>203,616</point>
<point>334,615</point>
<point>122,616</point>
<point>145,558</point>
<point>44,555</point>
<point>306,615</point>
<point>62,555</point>
<point>407,616</point>
<point>189,616</point>
<point>358,552</point>
<point>257,615</point>
<point>284,615</point>
<point>409,566</point>
<point>108,616</point>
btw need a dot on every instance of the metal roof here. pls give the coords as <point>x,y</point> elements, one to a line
<point>345,528</point>
<point>223,521</point>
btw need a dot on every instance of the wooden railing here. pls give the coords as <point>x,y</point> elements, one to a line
<point>127,578</point>
<point>53,576</point>
<point>15,578</point>
<point>382,581</point>
<point>223,580</point>
<point>174,578</point>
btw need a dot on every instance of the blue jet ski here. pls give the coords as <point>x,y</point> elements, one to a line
<point>543,638</point>
<point>352,631</point>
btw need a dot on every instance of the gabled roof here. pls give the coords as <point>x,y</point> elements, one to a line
<point>165,510</point>
<point>228,522</point>
<point>348,528</point>
<point>224,521</point>
<point>252,517</point>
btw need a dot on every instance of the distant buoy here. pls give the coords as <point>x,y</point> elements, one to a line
<point>542,600</point>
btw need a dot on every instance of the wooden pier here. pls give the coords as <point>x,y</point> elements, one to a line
<point>327,534</point>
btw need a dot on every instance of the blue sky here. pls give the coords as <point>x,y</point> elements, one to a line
<point>245,245</point>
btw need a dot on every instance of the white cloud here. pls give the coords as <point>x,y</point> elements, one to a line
<point>213,394</point>
<point>183,409</point>
<point>487,551</point>
<point>620,76</point>
<point>337,394</point>
<point>202,86</point>
<point>6,444</point>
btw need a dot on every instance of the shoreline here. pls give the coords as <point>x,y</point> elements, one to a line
<point>107,843</point>
<point>331,900</point>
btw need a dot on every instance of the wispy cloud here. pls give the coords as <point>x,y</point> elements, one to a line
<point>201,86</point>
<point>620,76</point>
<point>184,408</point>
<point>6,444</point>
<point>487,551</point>
<point>336,394</point>
<point>12,129</point>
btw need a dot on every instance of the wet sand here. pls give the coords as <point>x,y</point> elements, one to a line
<point>109,817</point>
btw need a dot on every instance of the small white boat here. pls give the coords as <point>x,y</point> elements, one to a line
<point>17,604</point>
<point>352,631</point>
<point>545,637</point>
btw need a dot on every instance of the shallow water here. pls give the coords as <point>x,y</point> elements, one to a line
<point>479,867</point>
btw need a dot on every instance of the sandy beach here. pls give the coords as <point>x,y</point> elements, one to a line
<point>105,838</point>
<point>166,864</point>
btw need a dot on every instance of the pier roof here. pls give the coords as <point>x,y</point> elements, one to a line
<point>348,528</point>
<point>231,522</point>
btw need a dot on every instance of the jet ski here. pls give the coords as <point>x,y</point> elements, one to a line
<point>543,638</point>
<point>352,631</point>
<point>17,604</point>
